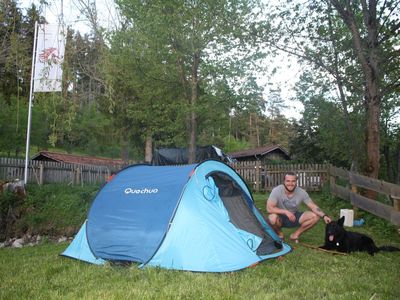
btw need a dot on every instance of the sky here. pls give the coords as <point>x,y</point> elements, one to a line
<point>70,12</point>
<point>285,77</point>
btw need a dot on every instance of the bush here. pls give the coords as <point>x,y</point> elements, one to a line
<point>52,209</point>
<point>10,206</point>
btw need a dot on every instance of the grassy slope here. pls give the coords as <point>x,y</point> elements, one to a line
<point>52,209</point>
<point>38,272</point>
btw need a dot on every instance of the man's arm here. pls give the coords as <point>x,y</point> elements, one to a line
<point>273,209</point>
<point>315,209</point>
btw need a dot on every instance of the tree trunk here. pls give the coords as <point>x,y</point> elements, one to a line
<point>354,148</point>
<point>388,162</point>
<point>124,149</point>
<point>367,54</point>
<point>148,156</point>
<point>257,132</point>
<point>373,134</point>
<point>193,102</point>
<point>398,165</point>
<point>253,130</point>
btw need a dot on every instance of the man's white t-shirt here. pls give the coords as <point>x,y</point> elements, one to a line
<point>291,204</point>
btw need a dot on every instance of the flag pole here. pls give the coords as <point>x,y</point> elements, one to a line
<point>28,130</point>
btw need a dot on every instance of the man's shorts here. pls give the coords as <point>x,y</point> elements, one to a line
<point>287,223</point>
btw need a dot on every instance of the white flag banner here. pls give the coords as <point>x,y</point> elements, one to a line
<point>49,58</point>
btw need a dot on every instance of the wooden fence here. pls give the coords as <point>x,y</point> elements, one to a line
<point>260,178</point>
<point>355,183</point>
<point>41,172</point>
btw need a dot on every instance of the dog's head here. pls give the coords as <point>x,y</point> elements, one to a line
<point>334,230</point>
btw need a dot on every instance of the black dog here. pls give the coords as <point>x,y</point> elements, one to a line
<point>338,239</point>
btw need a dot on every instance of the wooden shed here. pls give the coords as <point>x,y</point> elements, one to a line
<point>78,159</point>
<point>265,153</point>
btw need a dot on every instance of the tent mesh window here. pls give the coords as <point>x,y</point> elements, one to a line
<point>238,206</point>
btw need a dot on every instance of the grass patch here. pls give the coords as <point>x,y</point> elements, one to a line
<point>40,273</point>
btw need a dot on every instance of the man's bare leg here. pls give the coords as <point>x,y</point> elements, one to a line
<point>276,224</point>
<point>307,220</point>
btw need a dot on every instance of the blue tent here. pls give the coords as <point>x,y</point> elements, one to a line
<point>194,217</point>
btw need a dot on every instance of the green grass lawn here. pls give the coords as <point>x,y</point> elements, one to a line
<point>40,273</point>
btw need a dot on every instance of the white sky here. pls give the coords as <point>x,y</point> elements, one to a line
<point>70,10</point>
<point>285,78</point>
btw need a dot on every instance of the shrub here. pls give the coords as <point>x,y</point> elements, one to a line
<point>52,209</point>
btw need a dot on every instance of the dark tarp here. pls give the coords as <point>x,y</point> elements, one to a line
<point>179,156</point>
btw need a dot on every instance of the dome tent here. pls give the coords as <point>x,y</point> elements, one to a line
<point>193,217</point>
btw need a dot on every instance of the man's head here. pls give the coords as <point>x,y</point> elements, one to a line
<point>290,181</point>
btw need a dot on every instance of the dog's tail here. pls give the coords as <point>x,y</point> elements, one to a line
<point>388,248</point>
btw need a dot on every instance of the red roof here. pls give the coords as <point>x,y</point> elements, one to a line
<point>257,152</point>
<point>77,159</point>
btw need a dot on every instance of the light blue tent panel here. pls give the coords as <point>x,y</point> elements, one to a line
<point>201,238</point>
<point>79,248</point>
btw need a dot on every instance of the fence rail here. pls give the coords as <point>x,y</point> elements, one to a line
<point>259,177</point>
<point>41,172</point>
<point>356,183</point>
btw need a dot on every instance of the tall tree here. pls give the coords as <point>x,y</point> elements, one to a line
<point>351,41</point>
<point>16,38</point>
<point>367,45</point>
<point>190,34</point>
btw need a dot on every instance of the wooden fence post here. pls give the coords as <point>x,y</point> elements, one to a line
<point>257,175</point>
<point>354,190</point>
<point>73,175</point>
<point>396,203</point>
<point>78,176</point>
<point>41,173</point>
<point>332,180</point>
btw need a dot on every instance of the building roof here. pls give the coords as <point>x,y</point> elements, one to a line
<point>77,159</point>
<point>259,152</point>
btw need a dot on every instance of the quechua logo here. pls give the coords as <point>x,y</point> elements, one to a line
<point>131,190</point>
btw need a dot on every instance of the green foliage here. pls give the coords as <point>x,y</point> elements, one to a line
<point>134,83</point>
<point>49,210</point>
<point>231,144</point>
<point>322,35</point>
<point>13,126</point>
<point>184,64</point>
<point>92,132</point>
<point>181,66</point>
<point>325,132</point>
<point>10,210</point>
<point>390,147</point>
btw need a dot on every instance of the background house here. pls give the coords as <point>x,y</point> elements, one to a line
<point>78,159</point>
<point>265,154</point>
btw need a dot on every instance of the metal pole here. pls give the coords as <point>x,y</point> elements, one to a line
<point>28,130</point>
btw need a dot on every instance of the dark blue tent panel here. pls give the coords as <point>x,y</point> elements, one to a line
<point>131,214</point>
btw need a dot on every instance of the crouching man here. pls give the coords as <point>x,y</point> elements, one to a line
<point>283,204</point>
